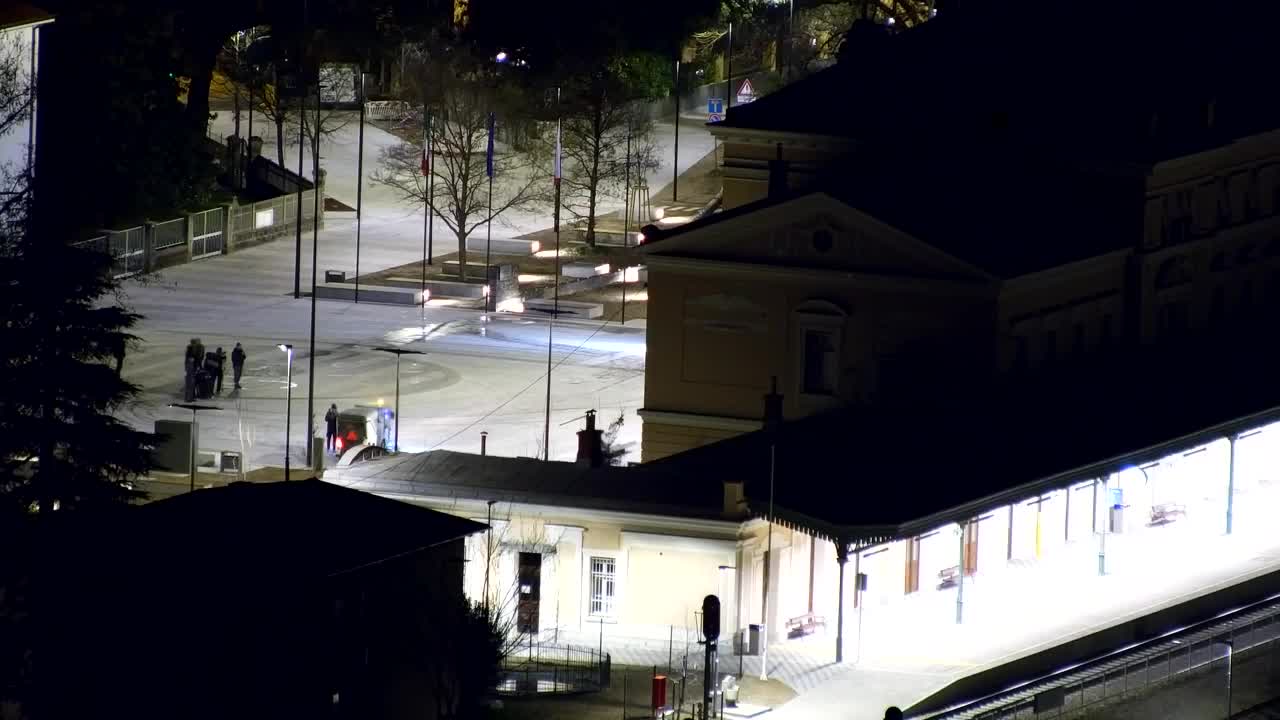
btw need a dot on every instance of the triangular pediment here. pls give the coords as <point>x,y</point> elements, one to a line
<point>812,231</point>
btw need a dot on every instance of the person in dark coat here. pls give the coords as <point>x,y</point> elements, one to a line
<point>219,369</point>
<point>117,351</point>
<point>237,364</point>
<point>331,428</point>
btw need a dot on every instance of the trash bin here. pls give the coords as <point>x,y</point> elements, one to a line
<point>753,639</point>
<point>230,461</point>
<point>335,276</point>
<point>729,686</point>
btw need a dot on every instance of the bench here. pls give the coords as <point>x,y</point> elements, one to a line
<point>806,624</point>
<point>437,288</point>
<point>568,308</point>
<point>947,577</point>
<point>369,293</point>
<point>584,269</point>
<point>1165,513</point>
<point>504,246</point>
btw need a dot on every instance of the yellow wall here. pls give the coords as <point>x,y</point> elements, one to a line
<point>665,587</point>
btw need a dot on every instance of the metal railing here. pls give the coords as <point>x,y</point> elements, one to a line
<point>537,668</point>
<point>1173,655</point>
<point>168,233</point>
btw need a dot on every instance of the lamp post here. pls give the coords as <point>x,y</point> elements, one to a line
<point>398,352</point>
<point>288,403</point>
<point>194,408</point>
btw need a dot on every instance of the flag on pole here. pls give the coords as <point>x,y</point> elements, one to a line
<point>426,149</point>
<point>488,156</point>
<point>557,167</point>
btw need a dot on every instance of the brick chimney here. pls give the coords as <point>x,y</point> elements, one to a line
<point>777,176</point>
<point>773,406</point>
<point>591,443</point>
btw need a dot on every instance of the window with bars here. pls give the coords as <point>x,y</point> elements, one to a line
<point>604,585</point>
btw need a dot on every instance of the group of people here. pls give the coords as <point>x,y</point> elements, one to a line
<point>205,370</point>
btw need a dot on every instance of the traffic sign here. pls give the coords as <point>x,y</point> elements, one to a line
<point>746,93</point>
<point>715,109</point>
<point>714,117</point>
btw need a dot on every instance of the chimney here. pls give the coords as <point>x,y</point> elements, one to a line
<point>591,443</point>
<point>773,407</point>
<point>777,176</point>
<point>735,500</point>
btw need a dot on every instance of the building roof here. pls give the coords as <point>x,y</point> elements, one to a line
<point>462,476</point>
<point>274,532</point>
<point>1026,66</point>
<point>872,475</point>
<point>18,14</point>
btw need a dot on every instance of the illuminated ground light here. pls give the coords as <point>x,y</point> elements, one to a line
<point>524,278</point>
<point>512,305</point>
<point>674,220</point>
<point>631,274</point>
<point>550,253</point>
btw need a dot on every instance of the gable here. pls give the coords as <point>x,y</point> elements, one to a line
<point>813,231</point>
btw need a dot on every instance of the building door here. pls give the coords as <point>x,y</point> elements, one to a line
<point>529,576</point>
<point>912,582</point>
<point>970,541</point>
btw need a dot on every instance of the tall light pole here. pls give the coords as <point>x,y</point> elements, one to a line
<point>359,180</point>
<point>675,161</point>
<point>398,352</point>
<point>288,403</point>
<point>315,249</point>
<point>194,408</point>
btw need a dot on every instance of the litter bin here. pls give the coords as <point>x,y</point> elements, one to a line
<point>335,276</point>
<point>753,639</point>
<point>729,686</point>
<point>229,461</point>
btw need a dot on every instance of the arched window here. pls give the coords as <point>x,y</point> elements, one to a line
<point>820,327</point>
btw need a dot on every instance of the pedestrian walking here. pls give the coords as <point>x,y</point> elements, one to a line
<point>219,368</point>
<point>331,428</point>
<point>237,364</point>
<point>191,364</point>
<point>118,351</point>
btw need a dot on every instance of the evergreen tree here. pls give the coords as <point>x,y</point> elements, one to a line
<point>61,445</point>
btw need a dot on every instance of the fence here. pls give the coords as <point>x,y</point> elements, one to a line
<point>169,233</point>
<point>390,110</point>
<point>1152,663</point>
<point>539,668</point>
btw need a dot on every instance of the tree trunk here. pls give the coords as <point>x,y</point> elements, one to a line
<point>593,176</point>
<point>277,115</point>
<point>235,105</point>
<point>462,253</point>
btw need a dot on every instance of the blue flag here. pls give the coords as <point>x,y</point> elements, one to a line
<point>488,156</point>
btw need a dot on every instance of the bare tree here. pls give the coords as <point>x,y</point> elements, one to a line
<point>282,112</point>
<point>460,100</point>
<point>598,144</point>
<point>15,111</point>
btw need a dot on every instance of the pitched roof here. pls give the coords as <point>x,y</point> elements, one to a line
<point>252,533</point>
<point>17,14</point>
<point>463,476</point>
<point>952,76</point>
<point>891,472</point>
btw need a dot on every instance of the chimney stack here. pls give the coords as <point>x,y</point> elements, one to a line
<point>777,176</point>
<point>591,443</point>
<point>773,406</point>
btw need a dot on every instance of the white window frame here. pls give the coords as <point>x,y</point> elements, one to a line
<point>609,606</point>
<point>824,317</point>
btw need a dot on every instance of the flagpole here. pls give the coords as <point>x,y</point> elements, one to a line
<point>488,226</point>
<point>555,306</point>
<point>359,182</point>
<point>431,194</point>
<point>626,223</point>
<point>426,208</point>
<point>315,248</point>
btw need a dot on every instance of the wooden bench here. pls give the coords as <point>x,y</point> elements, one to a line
<point>369,293</point>
<point>568,308</point>
<point>806,624</point>
<point>1165,513</point>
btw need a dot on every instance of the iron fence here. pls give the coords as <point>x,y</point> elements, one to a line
<point>1175,655</point>
<point>168,234</point>
<point>206,233</point>
<point>536,668</point>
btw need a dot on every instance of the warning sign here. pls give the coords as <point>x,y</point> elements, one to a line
<point>746,93</point>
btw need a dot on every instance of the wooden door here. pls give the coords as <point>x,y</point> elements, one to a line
<point>912,581</point>
<point>529,586</point>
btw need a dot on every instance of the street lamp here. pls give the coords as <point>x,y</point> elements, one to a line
<point>398,352</point>
<point>288,403</point>
<point>194,408</point>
